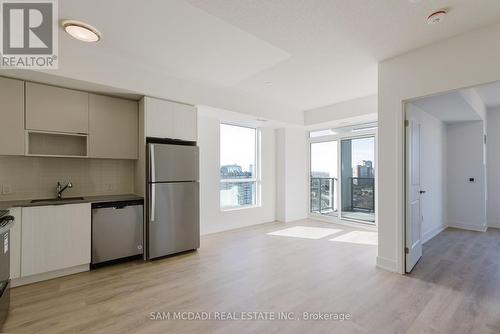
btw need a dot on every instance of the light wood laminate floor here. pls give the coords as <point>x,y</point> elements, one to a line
<point>455,287</point>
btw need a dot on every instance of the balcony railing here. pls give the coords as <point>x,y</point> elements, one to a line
<point>322,194</point>
<point>363,194</point>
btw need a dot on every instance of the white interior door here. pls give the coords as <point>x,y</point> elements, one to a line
<point>413,246</point>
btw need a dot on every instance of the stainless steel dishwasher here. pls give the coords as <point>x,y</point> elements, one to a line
<point>117,230</point>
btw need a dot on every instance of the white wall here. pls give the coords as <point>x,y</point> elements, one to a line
<point>212,219</point>
<point>466,200</point>
<point>356,108</point>
<point>432,172</point>
<point>493,163</point>
<point>291,174</point>
<point>462,61</point>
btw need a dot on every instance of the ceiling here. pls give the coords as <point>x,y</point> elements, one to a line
<point>466,104</point>
<point>271,59</point>
<point>450,107</point>
<point>490,94</point>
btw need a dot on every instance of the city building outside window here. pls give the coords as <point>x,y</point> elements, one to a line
<point>239,166</point>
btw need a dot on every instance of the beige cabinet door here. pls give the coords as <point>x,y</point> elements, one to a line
<point>166,119</point>
<point>159,118</point>
<point>185,122</point>
<point>12,116</point>
<point>54,237</point>
<point>113,127</point>
<point>56,109</point>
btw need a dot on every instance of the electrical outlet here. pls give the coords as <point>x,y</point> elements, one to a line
<point>108,187</point>
<point>6,189</point>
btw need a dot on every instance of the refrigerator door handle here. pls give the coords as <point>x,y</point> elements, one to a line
<point>152,161</point>
<point>153,202</point>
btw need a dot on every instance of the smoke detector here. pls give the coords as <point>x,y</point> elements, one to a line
<point>436,17</point>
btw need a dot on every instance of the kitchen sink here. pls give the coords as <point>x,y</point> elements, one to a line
<point>57,200</point>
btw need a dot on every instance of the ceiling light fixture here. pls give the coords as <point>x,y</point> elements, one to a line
<point>81,31</point>
<point>436,17</point>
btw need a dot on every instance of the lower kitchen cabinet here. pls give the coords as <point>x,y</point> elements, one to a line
<point>55,237</point>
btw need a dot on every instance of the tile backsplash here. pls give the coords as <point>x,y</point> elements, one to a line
<point>34,177</point>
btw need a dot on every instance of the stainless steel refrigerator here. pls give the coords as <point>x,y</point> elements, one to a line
<point>173,213</point>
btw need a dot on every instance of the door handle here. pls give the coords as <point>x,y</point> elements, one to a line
<point>153,203</point>
<point>422,191</point>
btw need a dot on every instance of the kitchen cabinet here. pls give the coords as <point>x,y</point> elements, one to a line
<point>12,116</point>
<point>113,125</point>
<point>166,119</point>
<point>15,244</point>
<point>55,237</point>
<point>55,109</point>
<point>159,120</point>
<point>185,122</point>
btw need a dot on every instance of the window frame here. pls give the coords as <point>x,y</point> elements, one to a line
<point>256,179</point>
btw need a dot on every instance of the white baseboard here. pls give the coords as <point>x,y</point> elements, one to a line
<point>387,264</point>
<point>470,227</point>
<point>432,233</point>
<point>50,275</point>
<point>494,225</point>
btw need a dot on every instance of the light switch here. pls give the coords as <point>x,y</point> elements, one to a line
<point>7,189</point>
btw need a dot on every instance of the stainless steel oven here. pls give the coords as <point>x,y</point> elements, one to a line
<point>6,223</point>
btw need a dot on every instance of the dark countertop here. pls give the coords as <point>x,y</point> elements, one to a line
<point>86,199</point>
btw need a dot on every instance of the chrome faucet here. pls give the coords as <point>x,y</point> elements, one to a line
<point>60,188</point>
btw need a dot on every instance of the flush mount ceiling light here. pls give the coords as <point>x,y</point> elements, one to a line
<point>436,17</point>
<point>81,31</point>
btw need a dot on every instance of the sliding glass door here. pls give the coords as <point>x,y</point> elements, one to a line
<point>358,178</point>
<point>324,178</point>
<point>342,173</point>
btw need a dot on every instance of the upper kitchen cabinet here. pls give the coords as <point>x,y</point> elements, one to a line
<point>158,118</point>
<point>12,115</point>
<point>113,124</point>
<point>185,122</point>
<point>166,119</point>
<point>55,109</point>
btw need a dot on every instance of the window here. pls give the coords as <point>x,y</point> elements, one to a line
<point>358,179</point>
<point>324,178</point>
<point>239,166</point>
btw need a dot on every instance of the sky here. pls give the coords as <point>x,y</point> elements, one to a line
<point>237,146</point>
<point>324,155</point>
